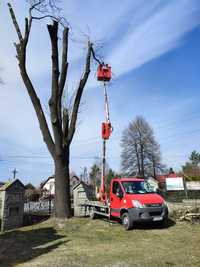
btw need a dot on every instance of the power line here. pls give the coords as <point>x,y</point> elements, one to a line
<point>161,126</point>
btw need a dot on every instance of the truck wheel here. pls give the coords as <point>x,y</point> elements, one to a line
<point>92,213</point>
<point>164,221</point>
<point>127,221</point>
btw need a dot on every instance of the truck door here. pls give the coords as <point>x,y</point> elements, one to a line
<point>116,195</point>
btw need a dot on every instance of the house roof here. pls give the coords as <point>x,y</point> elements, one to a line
<point>8,184</point>
<point>1,183</point>
<point>72,178</point>
<point>162,178</point>
<point>81,182</point>
<point>43,183</point>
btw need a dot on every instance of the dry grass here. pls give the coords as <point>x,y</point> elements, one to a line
<point>83,242</point>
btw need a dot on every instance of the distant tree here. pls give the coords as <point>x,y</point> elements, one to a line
<point>195,158</point>
<point>96,172</point>
<point>110,175</point>
<point>140,151</point>
<point>32,193</point>
<point>95,175</point>
<point>191,169</point>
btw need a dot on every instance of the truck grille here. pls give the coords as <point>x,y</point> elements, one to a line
<point>153,205</point>
<point>155,213</point>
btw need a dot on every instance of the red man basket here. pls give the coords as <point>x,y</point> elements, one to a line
<point>104,73</point>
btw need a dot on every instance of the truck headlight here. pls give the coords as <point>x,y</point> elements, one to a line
<point>137,204</point>
<point>164,204</point>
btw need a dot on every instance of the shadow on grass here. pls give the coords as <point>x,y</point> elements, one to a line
<point>155,225</point>
<point>34,218</point>
<point>144,225</point>
<point>22,246</point>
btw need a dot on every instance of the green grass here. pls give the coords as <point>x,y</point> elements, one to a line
<point>83,242</point>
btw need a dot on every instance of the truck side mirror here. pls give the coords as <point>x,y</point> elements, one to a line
<point>157,191</point>
<point>119,194</point>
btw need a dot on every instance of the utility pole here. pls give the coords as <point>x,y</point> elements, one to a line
<point>14,173</point>
<point>85,175</point>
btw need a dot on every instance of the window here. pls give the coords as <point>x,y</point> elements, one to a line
<point>117,188</point>
<point>13,211</point>
<point>136,187</point>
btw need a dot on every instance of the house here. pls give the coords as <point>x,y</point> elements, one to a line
<point>162,178</point>
<point>48,186</point>
<point>1,184</point>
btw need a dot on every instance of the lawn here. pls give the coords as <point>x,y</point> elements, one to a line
<point>83,242</point>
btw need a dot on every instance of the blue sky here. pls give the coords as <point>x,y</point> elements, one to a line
<point>153,48</point>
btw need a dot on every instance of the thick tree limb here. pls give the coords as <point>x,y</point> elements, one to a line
<point>21,56</point>
<point>53,102</point>
<point>65,125</point>
<point>79,94</point>
<point>64,68</point>
<point>95,58</point>
<point>15,23</point>
<point>39,111</point>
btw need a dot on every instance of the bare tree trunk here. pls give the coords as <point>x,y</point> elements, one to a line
<point>62,186</point>
<point>138,160</point>
<point>142,160</point>
<point>154,168</point>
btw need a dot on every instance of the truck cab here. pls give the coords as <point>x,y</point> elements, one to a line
<point>132,200</point>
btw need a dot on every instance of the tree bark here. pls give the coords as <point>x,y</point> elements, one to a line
<point>62,185</point>
<point>142,160</point>
<point>138,160</point>
<point>154,168</point>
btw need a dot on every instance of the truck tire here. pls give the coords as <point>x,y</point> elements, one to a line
<point>92,213</point>
<point>127,221</point>
<point>164,221</point>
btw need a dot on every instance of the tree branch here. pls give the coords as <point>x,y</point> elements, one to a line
<point>95,58</point>
<point>21,56</point>
<point>15,23</point>
<point>65,125</point>
<point>79,94</point>
<point>53,101</point>
<point>64,66</point>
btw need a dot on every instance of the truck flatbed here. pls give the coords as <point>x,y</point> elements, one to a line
<point>97,208</point>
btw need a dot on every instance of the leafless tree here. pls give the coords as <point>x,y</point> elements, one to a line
<point>140,151</point>
<point>63,121</point>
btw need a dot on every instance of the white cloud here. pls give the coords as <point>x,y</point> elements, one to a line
<point>133,33</point>
<point>154,36</point>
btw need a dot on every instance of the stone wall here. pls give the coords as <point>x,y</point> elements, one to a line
<point>13,207</point>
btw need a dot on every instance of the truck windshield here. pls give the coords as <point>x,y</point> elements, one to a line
<point>137,187</point>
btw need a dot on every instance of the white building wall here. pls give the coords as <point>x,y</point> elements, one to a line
<point>50,186</point>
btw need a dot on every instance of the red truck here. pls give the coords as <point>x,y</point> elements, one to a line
<point>131,200</point>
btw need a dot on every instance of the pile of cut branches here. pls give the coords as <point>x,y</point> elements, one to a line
<point>191,215</point>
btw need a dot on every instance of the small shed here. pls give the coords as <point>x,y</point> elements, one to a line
<point>82,192</point>
<point>11,205</point>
